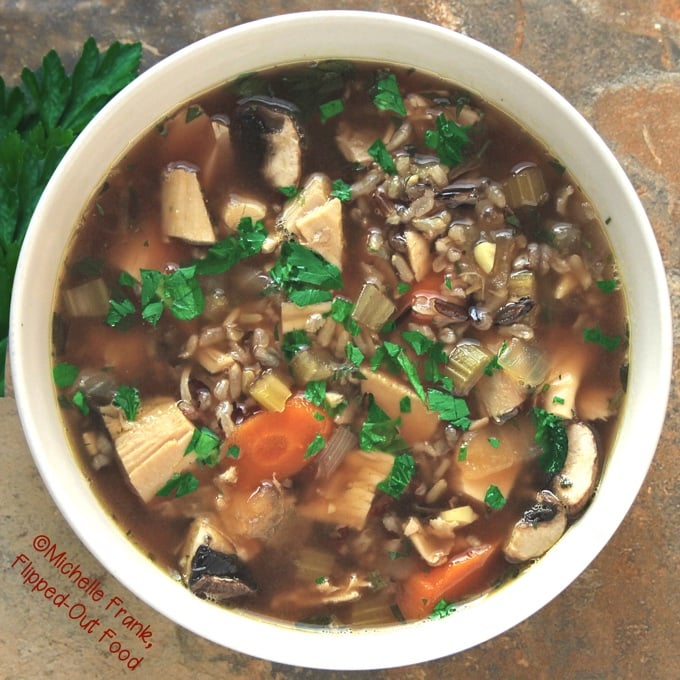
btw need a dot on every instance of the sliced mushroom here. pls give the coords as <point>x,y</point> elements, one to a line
<point>267,129</point>
<point>575,483</point>
<point>219,576</point>
<point>540,528</point>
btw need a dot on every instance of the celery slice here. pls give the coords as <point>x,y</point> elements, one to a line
<point>270,391</point>
<point>466,366</point>
<point>373,308</point>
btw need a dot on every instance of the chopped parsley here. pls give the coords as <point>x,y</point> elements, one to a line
<point>128,401</point>
<point>354,354</point>
<point>341,190</point>
<point>442,609</point>
<point>118,311</point>
<point>315,392</point>
<point>193,112</point>
<point>494,441</point>
<point>403,288</point>
<point>405,405</point>
<point>179,292</point>
<point>64,374</point>
<point>494,498</point>
<point>233,451</point>
<point>551,435</point>
<point>396,361</point>
<point>462,453</point>
<point>80,402</point>
<point>331,108</point>
<point>224,254</point>
<point>387,96</point>
<point>597,336</point>
<point>558,400</point>
<point>493,365</point>
<point>403,469</point>
<point>341,311</point>
<point>448,139</point>
<point>450,408</point>
<point>317,444</point>
<point>379,432</point>
<point>382,157</point>
<point>607,285</point>
<point>291,191</point>
<point>206,445</point>
<point>294,341</point>
<point>304,276</point>
<point>181,483</point>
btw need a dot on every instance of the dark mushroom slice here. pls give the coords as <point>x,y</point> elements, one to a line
<point>219,576</point>
<point>267,131</point>
<point>575,483</point>
<point>540,528</point>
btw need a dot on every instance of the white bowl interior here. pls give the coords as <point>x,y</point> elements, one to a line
<point>366,36</point>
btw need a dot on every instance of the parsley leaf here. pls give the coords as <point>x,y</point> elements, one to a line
<point>448,139</point>
<point>182,484</point>
<point>206,445</point>
<point>64,374</point>
<point>397,361</point>
<point>387,96</point>
<point>607,285</point>
<point>382,157</point>
<point>315,391</point>
<point>118,310</point>
<point>597,336</point>
<point>379,432</point>
<point>293,341</point>
<point>178,291</point>
<point>551,435</point>
<point>299,268</point>
<point>442,609</point>
<point>127,400</point>
<point>224,254</point>
<point>331,108</point>
<point>316,445</point>
<point>342,190</point>
<point>494,498</point>
<point>402,472</point>
<point>39,120</point>
<point>450,408</point>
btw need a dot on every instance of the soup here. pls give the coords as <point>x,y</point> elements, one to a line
<point>340,344</point>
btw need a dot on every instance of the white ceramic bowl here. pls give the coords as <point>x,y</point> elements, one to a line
<point>367,36</point>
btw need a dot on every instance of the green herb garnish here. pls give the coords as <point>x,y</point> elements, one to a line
<point>448,139</point>
<point>405,405</point>
<point>494,498</point>
<point>64,374</point>
<point>233,451</point>
<point>341,190</point>
<point>387,96</point>
<point>551,434</point>
<point>382,157</point>
<point>607,285</point>
<point>128,401</point>
<point>494,441</point>
<point>402,472</point>
<point>379,432</point>
<point>294,341</point>
<point>181,483</point>
<point>354,354</point>
<point>597,336</point>
<point>341,311</point>
<point>290,191</point>
<point>193,112</point>
<point>315,392</point>
<point>80,402</point>
<point>206,445</point>
<point>179,292</point>
<point>442,609</point>
<point>397,361</point>
<point>317,444</point>
<point>299,269</point>
<point>334,107</point>
<point>118,311</point>
<point>39,120</point>
<point>223,255</point>
<point>450,408</point>
<point>462,453</point>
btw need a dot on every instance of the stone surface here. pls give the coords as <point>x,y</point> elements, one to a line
<point>618,62</point>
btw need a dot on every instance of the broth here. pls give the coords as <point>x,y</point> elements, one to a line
<point>340,344</point>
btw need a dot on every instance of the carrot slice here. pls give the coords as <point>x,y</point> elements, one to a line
<point>422,590</point>
<point>276,442</point>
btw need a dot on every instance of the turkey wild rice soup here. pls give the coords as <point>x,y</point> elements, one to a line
<point>341,345</point>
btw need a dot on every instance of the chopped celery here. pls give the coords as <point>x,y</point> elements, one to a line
<point>466,366</point>
<point>521,284</point>
<point>373,308</point>
<point>88,299</point>
<point>524,362</point>
<point>525,187</point>
<point>295,318</point>
<point>307,365</point>
<point>270,391</point>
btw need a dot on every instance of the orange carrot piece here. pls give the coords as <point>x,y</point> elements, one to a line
<point>276,442</point>
<point>422,590</point>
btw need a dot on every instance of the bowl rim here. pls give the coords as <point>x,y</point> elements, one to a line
<point>29,349</point>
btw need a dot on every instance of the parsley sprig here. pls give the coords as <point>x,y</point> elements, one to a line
<point>39,120</point>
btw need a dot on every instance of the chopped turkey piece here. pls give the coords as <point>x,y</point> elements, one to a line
<point>237,207</point>
<point>183,211</point>
<point>151,448</point>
